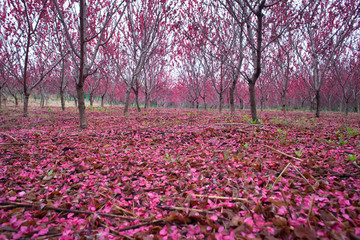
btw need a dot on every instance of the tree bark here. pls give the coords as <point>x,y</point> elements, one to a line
<point>42,100</point>
<point>232,98</point>
<point>82,71</point>
<point>220,101</point>
<point>317,96</point>
<point>147,100</point>
<point>91,98</point>
<point>252,101</point>
<point>346,107</point>
<point>137,101</point>
<point>26,105</point>
<point>16,100</point>
<point>127,99</point>
<point>283,105</point>
<point>81,106</point>
<point>62,99</point>
<point>102,100</point>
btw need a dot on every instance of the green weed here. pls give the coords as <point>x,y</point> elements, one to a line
<point>352,157</point>
<point>282,135</point>
<point>352,132</point>
<point>342,141</point>
<point>299,152</point>
<point>226,155</point>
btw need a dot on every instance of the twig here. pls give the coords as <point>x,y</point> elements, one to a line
<point>282,173</point>
<point>35,205</point>
<point>303,177</point>
<point>355,164</point>
<point>231,124</point>
<point>220,197</point>
<point>13,144</point>
<point>120,208</point>
<point>286,203</point>
<point>8,229</point>
<point>5,134</point>
<point>113,231</point>
<point>310,211</point>
<point>189,209</point>
<point>285,154</point>
<point>335,218</point>
<point>140,225</point>
<point>47,236</point>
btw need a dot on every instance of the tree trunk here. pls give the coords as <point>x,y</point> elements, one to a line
<point>26,105</point>
<point>137,101</point>
<point>317,114</point>
<point>62,99</point>
<point>82,67</point>
<point>346,107</point>
<point>91,98</point>
<point>127,99</point>
<point>102,100</point>
<point>283,104</point>
<point>252,101</point>
<point>81,106</point>
<point>42,100</point>
<point>147,100</point>
<point>232,98</point>
<point>220,101</point>
<point>16,100</point>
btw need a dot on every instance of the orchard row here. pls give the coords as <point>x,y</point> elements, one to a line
<point>224,53</point>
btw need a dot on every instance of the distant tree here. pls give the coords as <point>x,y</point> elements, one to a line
<point>97,23</point>
<point>28,39</point>
<point>318,36</point>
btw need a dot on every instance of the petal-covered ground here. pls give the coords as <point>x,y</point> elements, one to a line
<point>179,174</point>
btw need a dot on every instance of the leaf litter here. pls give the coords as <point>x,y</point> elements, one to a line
<point>179,174</point>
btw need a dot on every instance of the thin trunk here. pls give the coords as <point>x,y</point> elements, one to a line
<point>26,99</point>
<point>137,100</point>
<point>283,104</point>
<point>91,98</point>
<point>147,100</point>
<point>317,103</point>
<point>346,107</point>
<point>81,106</point>
<point>82,70</point>
<point>16,100</point>
<point>102,100</point>
<point>220,101</point>
<point>127,99</point>
<point>232,98</point>
<point>62,77</point>
<point>26,105</point>
<point>253,101</point>
<point>42,100</point>
<point>62,99</point>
